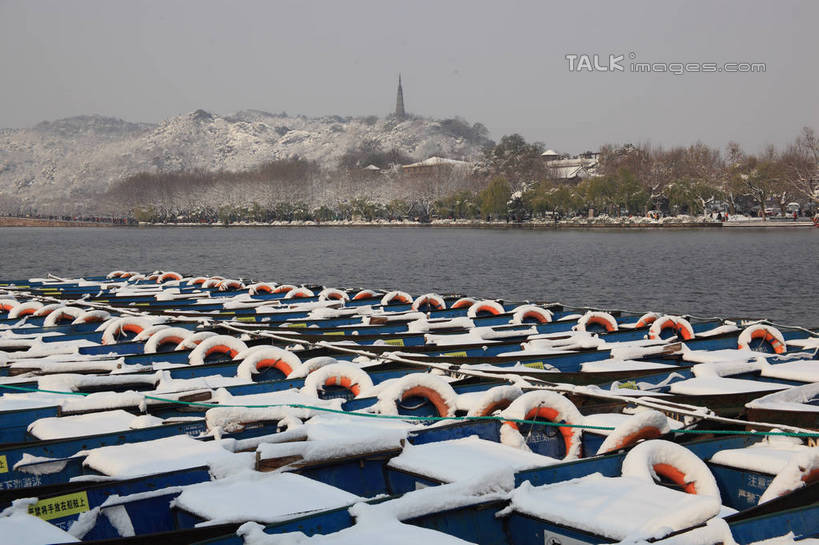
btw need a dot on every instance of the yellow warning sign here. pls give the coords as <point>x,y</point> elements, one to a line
<point>60,506</point>
<point>4,465</point>
<point>394,342</point>
<point>455,354</point>
<point>534,364</point>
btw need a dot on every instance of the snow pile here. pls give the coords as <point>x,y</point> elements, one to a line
<point>20,528</point>
<point>800,470</point>
<point>617,508</point>
<point>260,497</point>
<point>800,398</point>
<point>465,459</point>
<point>266,407</point>
<point>699,386</point>
<point>771,455</point>
<point>84,424</point>
<point>167,454</point>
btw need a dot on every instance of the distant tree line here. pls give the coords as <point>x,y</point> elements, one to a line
<point>509,181</point>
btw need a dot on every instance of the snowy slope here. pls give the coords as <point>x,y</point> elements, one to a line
<point>73,160</point>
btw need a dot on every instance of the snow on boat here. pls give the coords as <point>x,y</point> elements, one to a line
<point>163,408</point>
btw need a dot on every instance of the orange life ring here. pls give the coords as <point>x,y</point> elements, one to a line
<point>680,326</point>
<point>364,294</point>
<point>485,307</point>
<point>284,288</point>
<point>396,298</point>
<point>168,276</point>
<point>430,394</point>
<point>550,414</point>
<point>430,300</point>
<point>549,406</point>
<point>275,363</point>
<point>646,319</point>
<point>463,302</point>
<point>603,319</point>
<point>661,458</point>
<point>765,333</point>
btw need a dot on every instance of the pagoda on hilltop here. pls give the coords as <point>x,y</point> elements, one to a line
<point>400,113</point>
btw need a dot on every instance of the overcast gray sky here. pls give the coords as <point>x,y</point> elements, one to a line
<point>501,63</point>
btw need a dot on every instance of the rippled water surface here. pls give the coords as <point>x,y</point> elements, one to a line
<point>747,273</point>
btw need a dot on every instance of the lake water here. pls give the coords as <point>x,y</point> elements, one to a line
<point>708,272</point>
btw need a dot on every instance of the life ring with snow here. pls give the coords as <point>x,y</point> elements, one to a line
<point>430,301</point>
<point>62,314</point>
<point>168,276</point>
<point>657,458</point>
<point>463,302</point>
<point>146,333</point>
<point>165,336</point>
<point>25,309</point>
<point>396,298</point>
<point>333,294</point>
<point>211,283</point>
<point>679,326</point>
<point>284,288</point>
<point>762,333</point>
<point>299,293</point>
<point>197,281</point>
<point>432,388</point>
<point>192,341</point>
<point>596,318</point>
<point>345,375</point>
<point>46,310</point>
<point>311,365</point>
<point>92,317</point>
<point>365,294</point>
<point>7,304</point>
<point>128,324</point>
<point>485,308</point>
<point>801,470</point>
<point>135,277</point>
<point>530,313</point>
<point>549,406</point>
<point>644,425</point>
<point>127,275</point>
<point>217,344</point>
<point>114,274</point>
<point>261,287</point>
<point>495,399</point>
<point>646,319</point>
<point>226,285</point>
<point>154,276</point>
<point>267,357</point>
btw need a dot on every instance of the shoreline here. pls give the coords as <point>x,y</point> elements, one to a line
<point>600,223</point>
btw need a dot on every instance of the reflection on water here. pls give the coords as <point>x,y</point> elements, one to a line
<point>752,273</point>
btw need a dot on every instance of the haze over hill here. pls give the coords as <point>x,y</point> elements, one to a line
<point>64,165</point>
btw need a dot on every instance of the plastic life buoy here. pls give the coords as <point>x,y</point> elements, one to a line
<point>482,308</point>
<point>646,319</point>
<point>802,470</point>
<point>261,287</point>
<point>284,288</point>
<point>114,274</point>
<point>424,385</point>
<point>346,375</point>
<point>333,294</point>
<point>62,314</point>
<point>311,365</point>
<point>25,309</point>
<point>192,341</point>
<point>197,281</point>
<point>47,309</point>
<point>211,283</point>
<point>226,285</point>
<point>549,406</point>
<point>681,327</point>
<point>147,333</point>
<point>266,357</point>
<point>396,298</point>
<point>128,324</point>
<point>464,302</point>
<point>530,313</point>
<point>649,424</point>
<point>166,335</point>
<point>153,276</point>
<point>217,344</point>
<point>429,301</point>
<point>657,458</point>
<point>365,294</point>
<point>92,317</point>
<point>7,304</point>
<point>495,399</point>
<point>762,333</point>
<point>165,277</point>
<point>599,318</point>
<point>299,293</point>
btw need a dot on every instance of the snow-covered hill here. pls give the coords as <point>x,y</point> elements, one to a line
<point>56,164</point>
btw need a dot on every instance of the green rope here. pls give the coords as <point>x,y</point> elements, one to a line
<point>424,418</point>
